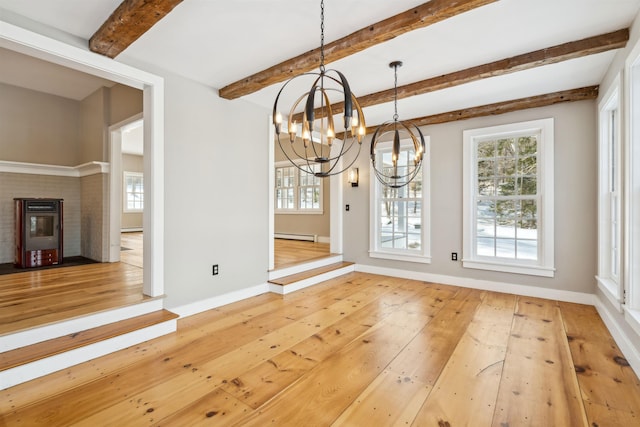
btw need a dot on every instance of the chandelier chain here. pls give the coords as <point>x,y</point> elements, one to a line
<point>322,36</point>
<point>395,94</point>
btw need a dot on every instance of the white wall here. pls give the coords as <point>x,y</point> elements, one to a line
<point>575,201</point>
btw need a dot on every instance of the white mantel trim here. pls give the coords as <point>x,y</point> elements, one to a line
<point>85,169</point>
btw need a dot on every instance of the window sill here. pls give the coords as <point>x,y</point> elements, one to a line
<point>422,259</point>
<point>530,270</point>
<point>298,212</point>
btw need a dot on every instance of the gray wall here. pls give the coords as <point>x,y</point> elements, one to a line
<point>575,201</point>
<point>38,128</point>
<point>206,167</point>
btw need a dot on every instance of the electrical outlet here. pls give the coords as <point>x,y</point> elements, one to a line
<point>346,208</point>
<point>454,256</point>
<point>215,269</point>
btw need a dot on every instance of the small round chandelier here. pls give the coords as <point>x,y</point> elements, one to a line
<point>396,151</point>
<point>316,130</point>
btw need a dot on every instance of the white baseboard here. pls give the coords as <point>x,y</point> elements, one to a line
<point>131,230</point>
<point>220,300</point>
<point>626,344</point>
<point>487,285</point>
<point>324,239</point>
<point>294,236</point>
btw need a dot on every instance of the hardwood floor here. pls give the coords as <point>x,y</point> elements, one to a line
<point>131,245</point>
<point>291,252</point>
<point>33,298</point>
<point>357,350</point>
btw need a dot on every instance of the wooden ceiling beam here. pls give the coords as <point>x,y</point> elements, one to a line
<point>127,23</point>
<point>412,19</point>
<point>526,61</point>
<point>572,95</point>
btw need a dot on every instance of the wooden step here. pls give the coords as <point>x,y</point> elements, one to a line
<point>310,277</point>
<point>31,353</point>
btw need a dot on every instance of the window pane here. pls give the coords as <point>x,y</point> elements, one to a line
<point>486,149</point>
<point>528,185</point>
<point>527,145</point>
<point>486,168</point>
<point>486,187</point>
<point>506,248</point>
<point>506,186</point>
<point>486,227</point>
<point>528,249</point>
<point>506,228</point>
<point>506,166</point>
<point>485,246</point>
<point>414,240</point>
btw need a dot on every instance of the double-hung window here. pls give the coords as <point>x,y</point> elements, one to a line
<point>400,216</point>
<point>508,198</point>
<point>297,191</point>
<point>133,192</point>
<point>609,197</point>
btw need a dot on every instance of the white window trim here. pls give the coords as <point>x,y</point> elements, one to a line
<point>545,266</point>
<point>126,174</point>
<point>611,287</point>
<point>296,210</point>
<point>423,256</point>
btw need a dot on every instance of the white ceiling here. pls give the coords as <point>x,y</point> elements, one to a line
<point>219,42</point>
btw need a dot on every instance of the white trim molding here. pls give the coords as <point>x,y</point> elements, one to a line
<point>85,169</point>
<point>487,285</point>
<point>219,300</point>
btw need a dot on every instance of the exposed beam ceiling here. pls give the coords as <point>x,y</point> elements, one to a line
<point>127,23</point>
<point>572,95</point>
<point>371,35</point>
<point>550,55</point>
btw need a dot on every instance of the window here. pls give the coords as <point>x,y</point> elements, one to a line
<point>133,192</point>
<point>609,197</point>
<point>400,216</point>
<point>508,198</point>
<point>297,191</point>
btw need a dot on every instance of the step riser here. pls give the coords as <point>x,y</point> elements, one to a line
<point>41,367</point>
<point>277,274</point>
<point>283,290</point>
<point>55,330</point>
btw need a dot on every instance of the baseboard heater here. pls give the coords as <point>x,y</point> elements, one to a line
<point>290,236</point>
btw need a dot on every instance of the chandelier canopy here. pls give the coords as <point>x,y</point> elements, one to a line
<point>317,131</point>
<point>397,147</point>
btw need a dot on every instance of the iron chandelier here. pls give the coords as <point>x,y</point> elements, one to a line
<point>317,129</point>
<point>393,171</point>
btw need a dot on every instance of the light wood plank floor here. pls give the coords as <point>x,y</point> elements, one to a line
<point>291,252</point>
<point>357,350</point>
<point>134,248</point>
